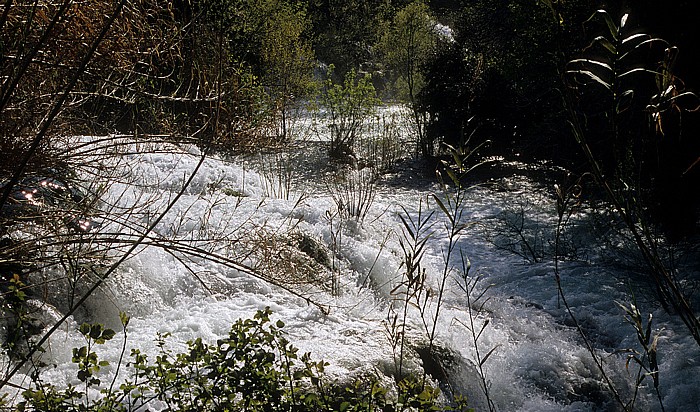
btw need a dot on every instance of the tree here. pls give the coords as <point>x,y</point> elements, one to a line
<point>267,61</point>
<point>406,47</point>
<point>516,45</point>
<point>453,81</point>
<point>345,31</point>
<point>287,57</point>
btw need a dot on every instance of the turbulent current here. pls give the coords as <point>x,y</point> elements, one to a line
<point>336,281</point>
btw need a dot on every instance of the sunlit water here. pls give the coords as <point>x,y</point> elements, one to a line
<point>539,363</point>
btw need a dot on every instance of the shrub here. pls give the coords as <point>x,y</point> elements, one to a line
<point>353,192</point>
<point>255,368</point>
<point>349,106</point>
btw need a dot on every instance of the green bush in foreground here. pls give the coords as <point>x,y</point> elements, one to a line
<point>253,369</point>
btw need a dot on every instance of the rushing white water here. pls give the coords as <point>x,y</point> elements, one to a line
<point>539,363</point>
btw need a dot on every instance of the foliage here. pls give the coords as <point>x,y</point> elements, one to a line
<point>255,368</point>
<point>268,42</point>
<point>353,192</point>
<point>220,69</point>
<point>452,208</point>
<point>288,59</point>
<point>378,145</point>
<point>14,312</point>
<point>647,360</point>
<point>415,289</point>
<point>406,46</point>
<point>412,290</point>
<point>502,68</point>
<point>632,102</point>
<point>349,106</point>
<point>347,30</point>
<point>453,76</point>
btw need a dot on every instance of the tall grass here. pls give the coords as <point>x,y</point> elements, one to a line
<point>425,292</point>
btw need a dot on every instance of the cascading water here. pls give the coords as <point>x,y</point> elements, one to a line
<point>538,363</point>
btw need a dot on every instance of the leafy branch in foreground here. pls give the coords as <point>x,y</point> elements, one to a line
<point>254,368</point>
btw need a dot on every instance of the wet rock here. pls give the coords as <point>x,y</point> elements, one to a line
<point>456,376</point>
<point>33,196</point>
<point>313,248</point>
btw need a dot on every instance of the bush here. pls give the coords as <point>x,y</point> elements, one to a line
<point>253,369</point>
<point>349,107</point>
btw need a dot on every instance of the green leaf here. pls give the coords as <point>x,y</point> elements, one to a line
<point>124,318</point>
<point>634,37</point>
<point>442,206</point>
<point>646,44</point>
<point>108,334</point>
<point>594,63</point>
<point>96,331</point>
<point>623,20</point>
<point>407,226</point>
<point>636,71</point>
<point>83,375</point>
<point>452,176</point>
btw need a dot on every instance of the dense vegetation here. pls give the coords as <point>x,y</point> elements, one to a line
<point>606,96</point>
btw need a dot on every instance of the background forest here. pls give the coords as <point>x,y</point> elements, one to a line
<point>173,68</point>
<point>603,89</point>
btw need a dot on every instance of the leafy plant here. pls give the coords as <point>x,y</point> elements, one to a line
<point>85,358</point>
<point>47,397</point>
<point>647,360</point>
<point>14,309</point>
<point>353,192</point>
<point>476,325</point>
<point>254,368</point>
<point>287,57</point>
<point>452,206</point>
<point>412,290</point>
<point>349,106</point>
